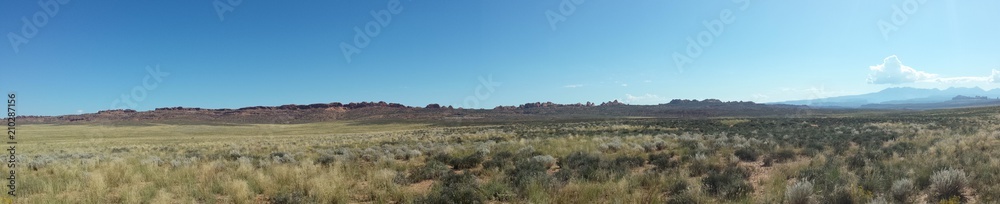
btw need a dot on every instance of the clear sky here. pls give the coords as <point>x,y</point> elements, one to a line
<point>87,56</point>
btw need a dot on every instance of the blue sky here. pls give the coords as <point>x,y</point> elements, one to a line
<point>91,55</point>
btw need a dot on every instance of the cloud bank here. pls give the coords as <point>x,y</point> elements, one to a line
<point>995,78</point>
<point>644,99</point>
<point>892,71</point>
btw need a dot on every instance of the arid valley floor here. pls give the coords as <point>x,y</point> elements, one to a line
<point>940,156</point>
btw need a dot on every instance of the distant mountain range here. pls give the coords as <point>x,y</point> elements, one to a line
<point>909,98</point>
<point>888,100</point>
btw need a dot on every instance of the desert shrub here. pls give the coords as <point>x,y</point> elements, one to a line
<point>498,190</point>
<point>290,198</point>
<point>344,152</point>
<point>923,176</point>
<point>612,147</point>
<point>578,160</point>
<point>580,165</point>
<point>468,162</point>
<point>500,160</point>
<point>546,160</point>
<point>663,161</point>
<point>281,157</point>
<point>810,152</point>
<point>325,159</point>
<point>747,154</point>
<point>841,195</point>
<point>700,165</point>
<point>784,155</point>
<point>279,154</point>
<point>826,177</point>
<point>405,154</point>
<point>856,161</point>
<point>527,172</point>
<point>40,162</point>
<point>683,198</point>
<point>369,155</point>
<point>165,149</point>
<point>799,193</point>
<point>654,146</point>
<point>946,184</point>
<point>153,160</point>
<point>119,150</point>
<point>879,200</point>
<point>768,162</point>
<point>527,152</point>
<point>900,148</point>
<point>401,178</point>
<point>455,188</point>
<point>902,190</point>
<point>498,138</point>
<point>233,155</point>
<point>691,145</point>
<point>628,162</point>
<point>443,158</point>
<point>430,170</point>
<point>840,147</point>
<point>483,149</point>
<point>877,177</point>
<point>184,162</point>
<point>815,146</point>
<point>730,183</point>
<point>678,186</point>
<point>192,153</point>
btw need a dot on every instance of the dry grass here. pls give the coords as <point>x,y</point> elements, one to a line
<point>352,163</point>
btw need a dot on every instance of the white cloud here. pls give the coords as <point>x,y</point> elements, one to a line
<point>760,97</point>
<point>624,84</point>
<point>892,71</point>
<point>995,78</point>
<point>573,86</point>
<point>644,99</point>
<point>812,93</point>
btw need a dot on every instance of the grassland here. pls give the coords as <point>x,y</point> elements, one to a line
<point>919,157</point>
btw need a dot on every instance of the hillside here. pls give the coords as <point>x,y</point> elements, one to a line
<point>382,111</point>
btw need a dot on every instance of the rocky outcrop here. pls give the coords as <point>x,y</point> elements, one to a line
<point>116,112</point>
<point>613,103</point>
<point>706,101</point>
<point>505,108</point>
<point>537,105</point>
